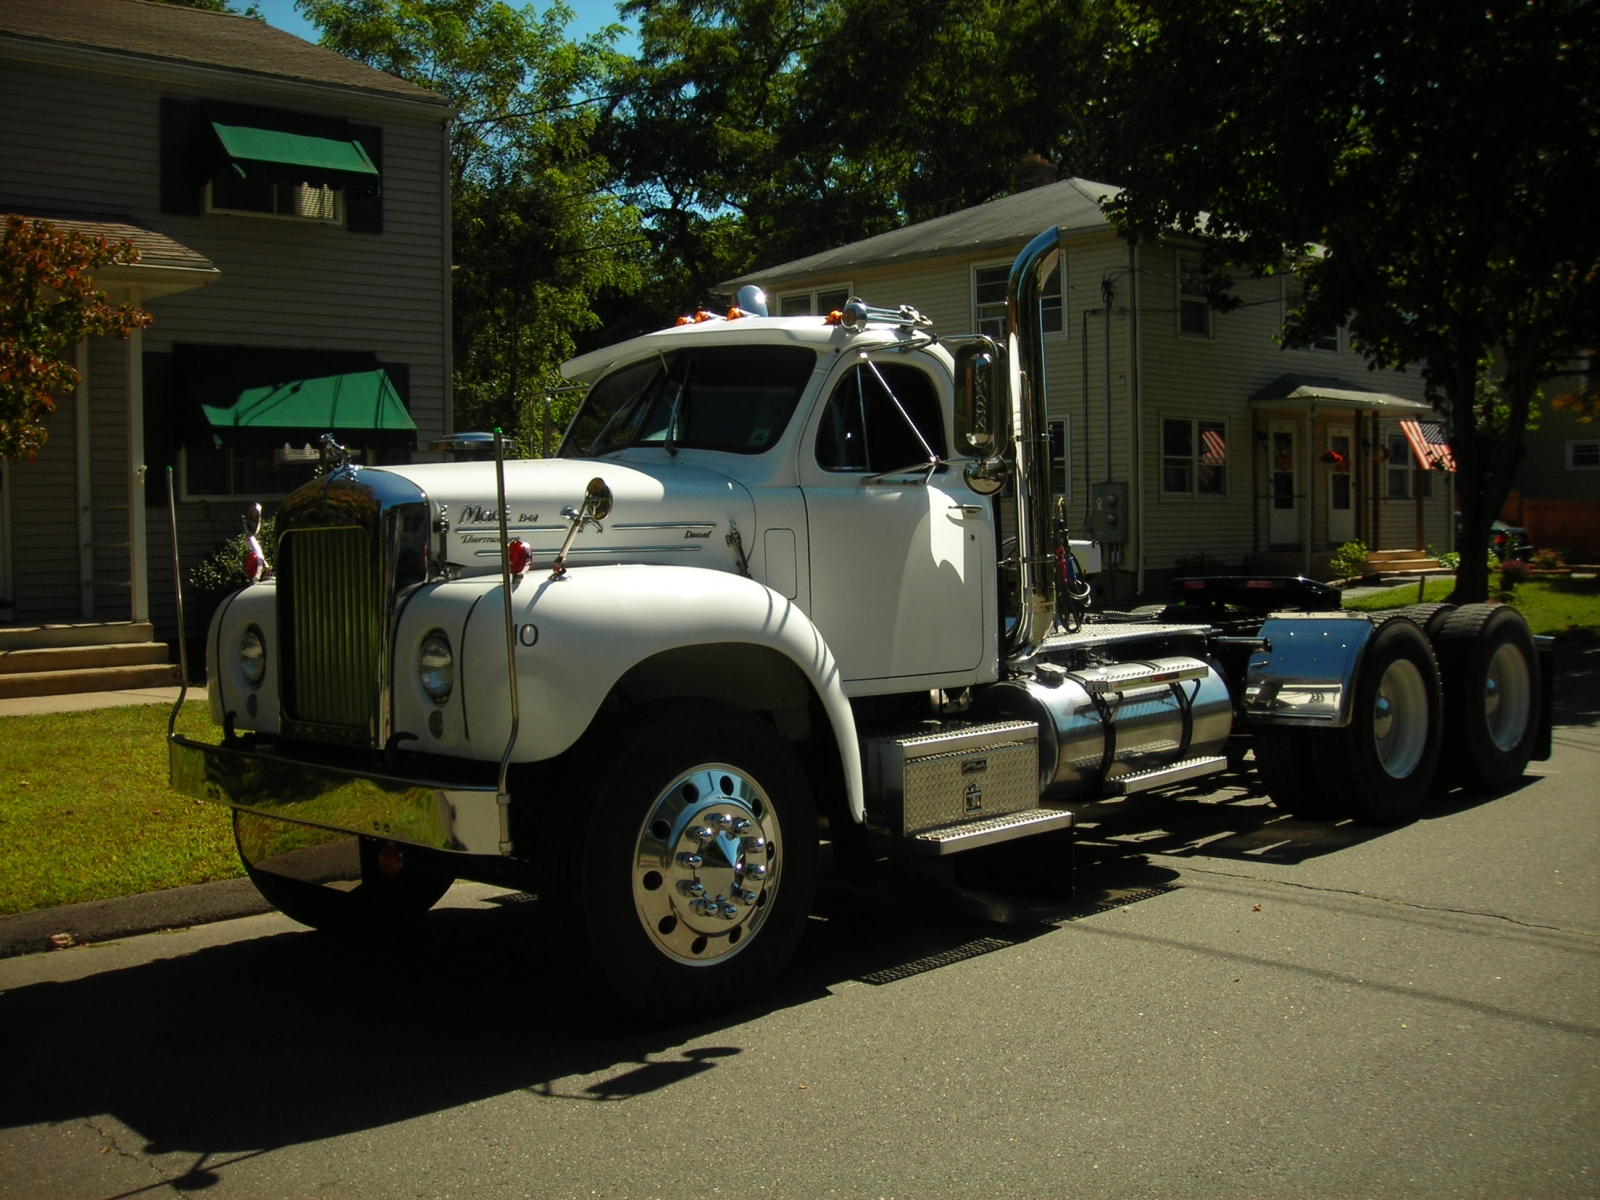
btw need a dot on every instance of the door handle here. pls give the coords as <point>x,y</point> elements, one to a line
<point>963,511</point>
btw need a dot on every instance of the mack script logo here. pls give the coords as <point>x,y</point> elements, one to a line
<point>477,514</point>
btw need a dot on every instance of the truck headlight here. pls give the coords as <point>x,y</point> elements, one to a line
<point>253,656</point>
<point>436,666</point>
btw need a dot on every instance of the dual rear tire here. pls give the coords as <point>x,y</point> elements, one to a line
<point>1444,696</point>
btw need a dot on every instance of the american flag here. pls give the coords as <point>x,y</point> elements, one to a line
<point>1213,448</point>
<point>1429,446</point>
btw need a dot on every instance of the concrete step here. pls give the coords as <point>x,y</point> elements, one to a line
<point>85,633</point>
<point>1387,556</point>
<point>91,679</point>
<point>81,658</point>
<point>1400,566</point>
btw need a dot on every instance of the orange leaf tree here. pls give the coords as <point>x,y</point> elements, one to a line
<point>48,303</point>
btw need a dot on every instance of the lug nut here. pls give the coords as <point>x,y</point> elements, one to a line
<point>754,845</point>
<point>722,819</point>
<point>756,871</point>
<point>691,887</point>
<point>702,834</point>
<point>748,897</point>
<point>740,825</point>
<point>690,860</point>
<point>729,912</point>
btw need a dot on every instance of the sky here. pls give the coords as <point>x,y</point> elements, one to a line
<point>588,16</point>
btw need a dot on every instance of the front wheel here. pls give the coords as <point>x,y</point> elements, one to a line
<point>1382,764</point>
<point>698,863</point>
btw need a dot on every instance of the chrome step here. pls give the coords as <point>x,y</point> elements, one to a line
<point>952,839</point>
<point>1178,772</point>
<point>1119,677</point>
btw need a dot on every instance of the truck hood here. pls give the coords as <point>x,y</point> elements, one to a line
<point>669,513</point>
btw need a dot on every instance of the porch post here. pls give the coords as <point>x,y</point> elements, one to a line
<point>138,558</point>
<point>82,434</point>
<point>1310,484</point>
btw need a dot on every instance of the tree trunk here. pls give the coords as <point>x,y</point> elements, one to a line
<point>1471,448</point>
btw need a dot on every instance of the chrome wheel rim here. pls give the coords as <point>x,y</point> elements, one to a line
<point>706,865</point>
<point>1507,696</point>
<point>1400,718</point>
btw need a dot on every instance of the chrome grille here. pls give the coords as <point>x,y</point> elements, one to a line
<point>334,632</point>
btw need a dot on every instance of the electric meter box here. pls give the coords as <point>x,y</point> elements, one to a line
<point>1108,513</point>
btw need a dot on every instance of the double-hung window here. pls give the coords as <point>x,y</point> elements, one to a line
<point>989,301</point>
<point>1194,305</point>
<point>818,302</point>
<point>1402,469</point>
<point>1293,295</point>
<point>1194,457</point>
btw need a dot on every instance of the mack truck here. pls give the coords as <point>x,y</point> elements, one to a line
<point>788,583</point>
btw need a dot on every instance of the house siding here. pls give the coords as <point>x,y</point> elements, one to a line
<point>87,141</point>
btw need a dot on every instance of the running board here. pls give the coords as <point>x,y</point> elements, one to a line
<point>952,839</point>
<point>1144,781</point>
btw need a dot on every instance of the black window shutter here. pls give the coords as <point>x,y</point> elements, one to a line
<point>162,425</point>
<point>364,214</point>
<point>182,164</point>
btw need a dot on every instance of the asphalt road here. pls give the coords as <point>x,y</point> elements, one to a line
<point>1235,1005</point>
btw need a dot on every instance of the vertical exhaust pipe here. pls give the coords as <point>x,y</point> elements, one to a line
<point>1036,593</point>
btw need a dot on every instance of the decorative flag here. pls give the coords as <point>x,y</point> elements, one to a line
<point>1429,446</point>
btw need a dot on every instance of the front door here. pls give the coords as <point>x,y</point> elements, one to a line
<point>897,579</point>
<point>1341,510</point>
<point>1283,521</point>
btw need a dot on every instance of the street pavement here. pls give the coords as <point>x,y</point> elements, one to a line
<point>1235,1004</point>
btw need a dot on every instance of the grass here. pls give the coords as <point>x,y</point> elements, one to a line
<point>1561,605</point>
<point>86,813</point>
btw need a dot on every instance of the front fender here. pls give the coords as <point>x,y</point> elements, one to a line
<point>577,636</point>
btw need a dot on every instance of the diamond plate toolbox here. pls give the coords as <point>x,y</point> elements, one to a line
<point>929,778</point>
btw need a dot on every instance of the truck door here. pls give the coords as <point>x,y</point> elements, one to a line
<point>897,576</point>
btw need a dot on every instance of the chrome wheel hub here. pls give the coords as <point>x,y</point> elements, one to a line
<point>706,866</point>
<point>1507,697</point>
<point>1400,719</point>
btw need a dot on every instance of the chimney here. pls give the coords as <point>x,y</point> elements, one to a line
<point>1032,172</point>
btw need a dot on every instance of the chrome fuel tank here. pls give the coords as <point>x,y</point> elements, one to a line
<point>1106,722</point>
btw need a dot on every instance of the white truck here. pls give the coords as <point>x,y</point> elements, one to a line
<point>788,581</point>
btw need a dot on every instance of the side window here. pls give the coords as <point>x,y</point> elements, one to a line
<point>1194,309</point>
<point>865,429</point>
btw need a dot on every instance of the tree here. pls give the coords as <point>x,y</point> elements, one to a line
<point>48,303</point>
<point>536,236</point>
<point>750,132</point>
<point>1427,167</point>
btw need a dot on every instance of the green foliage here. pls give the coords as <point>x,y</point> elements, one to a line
<point>1400,597</point>
<point>1426,168</point>
<point>1563,606</point>
<point>1349,560</point>
<point>1547,560</point>
<point>1449,560</point>
<point>537,236</point>
<point>222,572</point>
<point>48,303</point>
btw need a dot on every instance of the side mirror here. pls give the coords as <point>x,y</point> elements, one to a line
<point>982,412</point>
<point>597,499</point>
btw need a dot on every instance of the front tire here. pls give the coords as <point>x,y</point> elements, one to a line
<point>1382,764</point>
<point>1490,671</point>
<point>698,863</point>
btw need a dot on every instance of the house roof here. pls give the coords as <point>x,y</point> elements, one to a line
<point>149,30</point>
<point>165,266</point>
<point>1072,204</point>
<point>1299,391</point>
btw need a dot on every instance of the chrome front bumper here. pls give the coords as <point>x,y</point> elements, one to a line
<point>463,818</point>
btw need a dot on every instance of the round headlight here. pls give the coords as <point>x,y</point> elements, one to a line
<point>253,656</point>
<point>436,666</point>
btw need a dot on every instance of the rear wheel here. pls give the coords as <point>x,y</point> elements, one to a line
<point>1288,772</point>
<point>1490,672</point>
<point>1382,764</point>
<point>1430,617</point>
<point>697,867</point>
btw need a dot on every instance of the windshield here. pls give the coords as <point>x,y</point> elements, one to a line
<point>733,398</point>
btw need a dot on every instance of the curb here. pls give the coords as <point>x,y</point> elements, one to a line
<point>128,916</point>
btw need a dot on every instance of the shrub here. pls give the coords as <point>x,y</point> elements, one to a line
<point>1450,560</point>
<point>219,573</point>
<point>1348,560</point>
<point>1513,573</point>
<point>1547,560</point>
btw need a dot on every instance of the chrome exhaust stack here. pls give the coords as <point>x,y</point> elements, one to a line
<point>1036,594</point>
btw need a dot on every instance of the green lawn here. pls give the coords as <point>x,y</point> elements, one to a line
<point>1559,605</point>
<point>86,813</point>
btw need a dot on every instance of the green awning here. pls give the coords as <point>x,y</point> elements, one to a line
<point>241,396</point>
<point>274,150</point>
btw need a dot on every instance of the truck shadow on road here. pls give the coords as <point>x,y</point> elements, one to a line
<point>292,1037</point>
